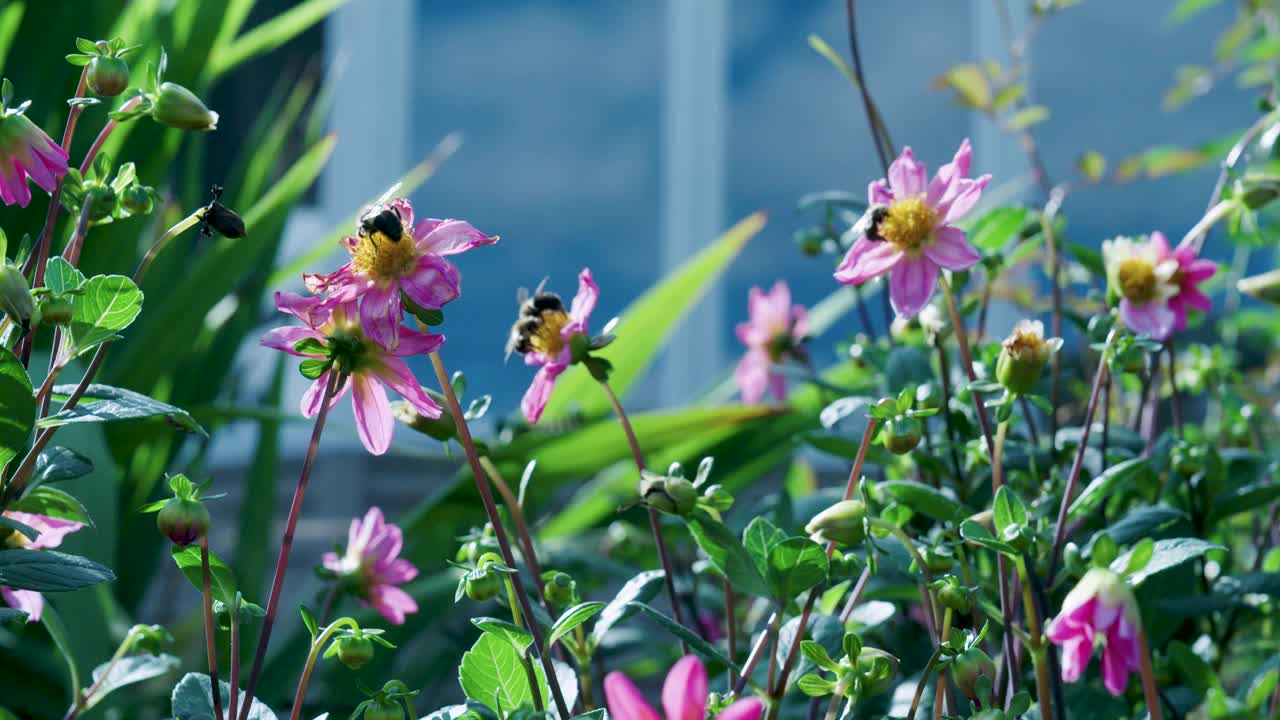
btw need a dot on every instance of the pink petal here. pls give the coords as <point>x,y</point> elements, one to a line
<point>585,301</point>
<point>404,208</point>
<point>28,601</point>
<point>1119,656</point>
<point>13,185</point>
<point>745,709</point>
<point>1076,652</point>
<point>912,284</point>
<point>1193,297</point>
<point>859,267</point>
<point>969,192</point>
<point>380,315</point>
<point>391,603</point>
<point>315,393</point>
<point>951,249</point>
<point>284,338</point>
<point>624,699</point>
<point>397,571</point>
<point>1154,318</point>
<point>413,343</point>
<point>1198,270</point>
<point>450,237</point>
<point>799,322</point>
<point>778,385</point>
<point>374,421</point>
<point>906,176</point>
<point>51,530</point>
<point>397,375</point>
<point>539,392</point>
<point>944,179</point>
<point>302,307</point>
<point>752,375</point>
<point>878,192</point>
<point>1161,244</point>
<point>684,693</point>
<point>433,284</point>
<point>332,562</point>
<point>342,285</point>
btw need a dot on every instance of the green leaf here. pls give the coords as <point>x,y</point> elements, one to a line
<point>1185,9</point>
<point>926,500</point>
<point>491,673</point>
<point>104,403</point>
<point>693,639</point>
<point>970,84</point>
<point>270,35</point>
<point>1139,556</point>
<point>49,571</point>
<point>129,671</point>
<point>1128,474</point>
<point>519,638</point>
<point>8,615</point>
<point>818,656</point>
<point>61,276</point>
<point>192,699</point>
<point>58,634</point>
<point>979,535</point>
<point>10,20</point>
<point>1165,554</point>
<point>1008,509</point>
<point>222,582</point>
<point>1248,497</point>
<point>727,555</point>
<point>572,618</point>
<point>1092,165</point>
<point>57,463</point>
<point>795,565</point>
<point>647,323</point>
<point>54,503</point>
<point>30,532</point>
<point>1088,257</point>
<point>17,407</point>
<point>758,539</point>
<point>640,589</point>
<point>1028,116</point>
<point>993,231</point>
<point>106,305</point>
<point>814,685</point>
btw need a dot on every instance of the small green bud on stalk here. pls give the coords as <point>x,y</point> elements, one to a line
<point>55,310</point>
<point>102,202</point>
<point>968,667</point>
<point>108,76</point>
<point>902,434</point>
<point>484,585</point>
<point>671,495</point>
<point>380,709</point>
<point>174,106</point>
<point>183,520</point>
<point>15,294</point>
<point>878,669</point>
<point>137,199</point>
<point>354,651</point>
<point>939,559</point>
<point>951,593</point>
<point>560,589</point>
<point>1023,356</point>
<point>842,523</point>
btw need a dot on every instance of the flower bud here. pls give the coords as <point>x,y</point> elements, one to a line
<point>841,523</point>
<point>15,294</point>
<point>559,589</point>
<point>939,559</point>
<point>183,521</point>
<point>175,106</point>
<point>951,593</point>
<point>1023,356</point>
<point>55,310</point>
<point>102,202</point>
<point>484,585</point>
<point>968,667</point>
<point>902,434</point>
<point>137,199</point>
<point>382,709</point>
<point>354,651</point>
<point>108,76</point>
<point>673,495</point>
<point>878,669</point>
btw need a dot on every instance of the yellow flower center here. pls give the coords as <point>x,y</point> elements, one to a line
<point>15,540</point>
<point>546,339</point>
<point>909,223</point>
<point>1137,279</point>
<point>1024,343</point>
<point>382,258</point>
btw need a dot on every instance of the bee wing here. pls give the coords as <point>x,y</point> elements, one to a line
<point>522,295</point>
<point>391,191</point>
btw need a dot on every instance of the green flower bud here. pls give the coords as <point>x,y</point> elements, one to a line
<point>968,667</point>
<point>939,559</point>
<point>672,495</point>
<point>951,593</point>
<point>484,585</point>
<point>380,709</point>
<point>137,199</point>
<point>175,106</point>
<point>560,589</point>
<point>878,669</point>
<point>102,203</point>
<point>55,309</point>
<point>1023,356</point>
<point>15,294</point>
<point>183,521</point>
<point>354,651</point>
<point>902,434</point>
<point>841,523</point>
<point>108,76</point>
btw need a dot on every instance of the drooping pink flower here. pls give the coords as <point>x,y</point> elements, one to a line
<point>382,267</point>
<point>372,566</point>
<point>25,151</point>
<point>545,335</point>
<point>1101,603</point>
<point>51,532</point>
<point>684,696</point>
<point>334,337</point>
<point>774,332</point>
<point>909,232</point>
<point>1142,274</point>
<point>1192,270</point>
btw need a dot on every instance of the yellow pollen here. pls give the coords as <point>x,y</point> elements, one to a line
<point>909,224</point>
<point>15,540</point>
<point>1137,279</point>
<point>381,257</point>
<point>1020,343</point>
<point>546,339</point>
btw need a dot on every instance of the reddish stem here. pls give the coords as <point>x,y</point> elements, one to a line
<point>210,636</point>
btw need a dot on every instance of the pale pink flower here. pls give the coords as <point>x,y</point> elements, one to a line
<point>1142,274</point>
<point>774,332</point>
<point>546,339</point>
<point>381,268</point>
<point>333,333</point>
<point>51,532</point>
<point>1100,604</point>
<point>1192,270</point>
<point>26,151</point>
<point>373,568</point>
<point>684,696</point>
<point>909,232</point>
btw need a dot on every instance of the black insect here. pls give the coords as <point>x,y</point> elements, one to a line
<point>532,309</point>
<point>873,218</point>
<point>382,219</point>
<point>221,218</point>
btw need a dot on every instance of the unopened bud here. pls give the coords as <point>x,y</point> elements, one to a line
<point>183,521</point>
<point>102,202</point>
<point>138,199</point>
<point>951,593</point>
<point>383,709</point>
<point>902,434</point>
<point>559,589</point>
<point>55,310</point>
<point>108,76</point>
<point>968,667</point>
<point>939,559</point>
<point>673,495</point>
<point>484,585</point>
<point>15,294</point>
<point>1023,356</point>
<point>175,106</point>
<point>354,651</point>
<point>878,669</point>
<point>841,523</point>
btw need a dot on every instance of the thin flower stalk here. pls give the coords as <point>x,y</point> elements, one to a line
<point>522,527</point>
<point>36,264</point>
<point>1150,688</point>
<point>1039,655</point>
<point>210,634</point>
<point>308,667</point>
<point>125,646</point>
<point>500,533</point>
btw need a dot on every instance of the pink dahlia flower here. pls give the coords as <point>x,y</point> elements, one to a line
<point>684,696</point>
<point>774,332</point>
<point>333,335</point>
<point>25,151</point>
<point>373,567</point>
<point>1101,604</point>
<point>1192,270</point>
<point>50,531</point>
<point>382,267</point>
<point>545,335</point>
<point>909,232</point>
<point>1142,275</point>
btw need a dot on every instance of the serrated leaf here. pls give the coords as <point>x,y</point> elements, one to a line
<point>970,84</point>
<point>758,539</point>
<point>726,553</point>
<point>107,304</point>
<point>50,571</point>
<point>795,565</point>
<point>491,673</point>
<point>57,463</point>
<point>61,276</point>
<point>979,535</point>
<point>1127,474</point>
<point>693,639</point>
<point>519,638</point>
<point>104,403</point>
<point>993,231</point>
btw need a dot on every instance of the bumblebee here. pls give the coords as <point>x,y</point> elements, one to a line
<point>219,217</point>
<point>381,219</point>
<point>871,221</point>
<point>537,312</point>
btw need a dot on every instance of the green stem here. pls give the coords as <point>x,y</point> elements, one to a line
<point>406,697</point>
<point>1150,689</point>
<point>316,647</point>
<point>924,680</point>
<point>210,634</point>
<point>125,646</point>
<point>1036,642</point>
<point>511,600</point>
